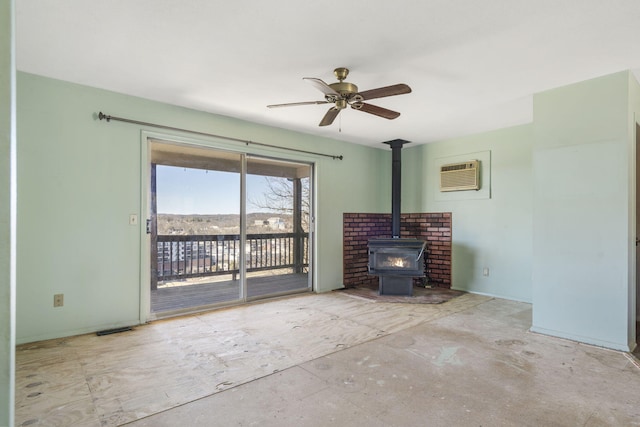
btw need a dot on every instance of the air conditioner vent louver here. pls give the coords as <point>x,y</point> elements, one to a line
<point>460,176</point>
<point>454,167</point>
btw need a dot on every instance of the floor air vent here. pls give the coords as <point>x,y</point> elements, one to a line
<point>460,176</point>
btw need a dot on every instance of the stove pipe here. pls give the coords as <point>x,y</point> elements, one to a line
<point>396,173</point>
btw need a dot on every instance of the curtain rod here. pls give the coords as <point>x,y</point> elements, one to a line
<point>108,118</point>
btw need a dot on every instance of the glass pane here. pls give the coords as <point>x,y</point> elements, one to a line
<point>395,260</point>
<point>197,229</point>
<point>278,212</point>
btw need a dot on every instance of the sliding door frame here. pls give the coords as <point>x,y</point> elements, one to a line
<point>145,314</point>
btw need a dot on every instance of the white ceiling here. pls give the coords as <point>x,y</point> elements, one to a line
<point>473,65</point>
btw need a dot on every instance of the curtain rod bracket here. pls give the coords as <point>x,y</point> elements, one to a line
<point>109,117</point>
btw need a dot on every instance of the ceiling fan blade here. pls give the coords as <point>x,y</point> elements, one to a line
<point>378,111</point>
<point>381,92</point>
<point>330,116</point>
<point>293,104</point>
<point>321,86</point>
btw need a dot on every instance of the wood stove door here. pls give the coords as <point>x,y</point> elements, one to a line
<point>395,260</point>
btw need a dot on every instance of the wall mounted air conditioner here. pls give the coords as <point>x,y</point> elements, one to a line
<point>460,176</point>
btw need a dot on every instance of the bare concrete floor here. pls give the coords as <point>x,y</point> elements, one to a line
<point>333,359</point>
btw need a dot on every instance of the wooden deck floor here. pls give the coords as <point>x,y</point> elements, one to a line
<point>175,298</point>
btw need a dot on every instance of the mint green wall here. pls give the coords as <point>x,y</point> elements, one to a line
<point>581,228</point>
<point>490,232</point>
<point>634,160</point>
<point>7,212</point>
<point>80,178</point>
<point>559,226</point>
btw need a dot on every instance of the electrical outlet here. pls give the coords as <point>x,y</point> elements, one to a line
<point>58,300</point>
<point>485,272</point>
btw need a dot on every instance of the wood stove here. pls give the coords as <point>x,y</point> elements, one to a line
<point>396,261</point>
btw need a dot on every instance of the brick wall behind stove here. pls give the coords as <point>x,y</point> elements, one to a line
<point>358,228</point>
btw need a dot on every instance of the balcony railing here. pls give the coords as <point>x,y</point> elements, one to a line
<point>181,256</point>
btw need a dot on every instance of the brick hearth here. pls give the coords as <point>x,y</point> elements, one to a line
<point>435,228</point>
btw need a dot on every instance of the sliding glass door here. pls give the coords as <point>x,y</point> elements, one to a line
<point>278,218</point>
<point>225,228</point>
<point>195,227</point>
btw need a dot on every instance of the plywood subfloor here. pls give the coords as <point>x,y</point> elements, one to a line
<point>114,379</point>
<point>476,367</point>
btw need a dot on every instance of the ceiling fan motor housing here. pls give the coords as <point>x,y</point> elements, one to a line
<point>345,89</point>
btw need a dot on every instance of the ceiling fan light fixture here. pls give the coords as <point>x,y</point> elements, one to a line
<point>341,104</point>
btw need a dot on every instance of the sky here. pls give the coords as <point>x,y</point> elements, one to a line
<point>189,191</point>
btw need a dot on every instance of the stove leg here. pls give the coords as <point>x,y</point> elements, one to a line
<point>395,285</point>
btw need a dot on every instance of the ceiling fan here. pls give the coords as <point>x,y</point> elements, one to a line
<point>343,94</point>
